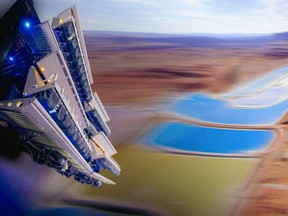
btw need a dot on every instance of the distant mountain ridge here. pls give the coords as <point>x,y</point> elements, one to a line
<point>281,36</point>
<point>209,35</point>
<point>190,40</point>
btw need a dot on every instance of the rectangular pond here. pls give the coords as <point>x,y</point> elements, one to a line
<point>207,140</point>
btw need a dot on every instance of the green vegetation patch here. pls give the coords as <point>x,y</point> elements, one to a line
<point>176,184</point>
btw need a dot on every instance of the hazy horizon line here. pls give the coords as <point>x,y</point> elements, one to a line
<point>191,33</point>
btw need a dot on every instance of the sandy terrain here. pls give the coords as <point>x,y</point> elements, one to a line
<point>134,71</point>
<point>141,76</point>
<point>135,78</point>
<point>265,193</point>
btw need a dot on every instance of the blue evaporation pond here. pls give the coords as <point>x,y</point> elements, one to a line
<point>187,137</point>
<point>203,107</point>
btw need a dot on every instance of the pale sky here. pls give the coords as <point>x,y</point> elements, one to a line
<point>175,16</point>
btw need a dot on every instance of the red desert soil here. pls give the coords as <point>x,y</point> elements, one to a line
<point>135,71</point>
<point>128,72</point>
<point>266,192</point>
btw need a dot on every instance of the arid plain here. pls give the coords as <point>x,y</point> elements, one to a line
<point>136,75</point>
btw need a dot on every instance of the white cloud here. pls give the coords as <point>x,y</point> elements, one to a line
<point>272,15</point>
<point>134,1</point>
<point>262,16</point>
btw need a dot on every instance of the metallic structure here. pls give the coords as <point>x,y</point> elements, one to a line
<point>46,94</point>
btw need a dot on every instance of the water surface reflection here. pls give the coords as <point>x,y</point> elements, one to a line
<point>203,107</point>
<point>199,139</point>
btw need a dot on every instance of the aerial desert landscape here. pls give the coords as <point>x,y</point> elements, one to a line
<point>148,108</point>
<point>137,77</point>
<point>178,150</point>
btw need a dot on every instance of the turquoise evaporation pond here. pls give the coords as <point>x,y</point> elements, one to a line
<point>187,137</point>
<point>203,107</point>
